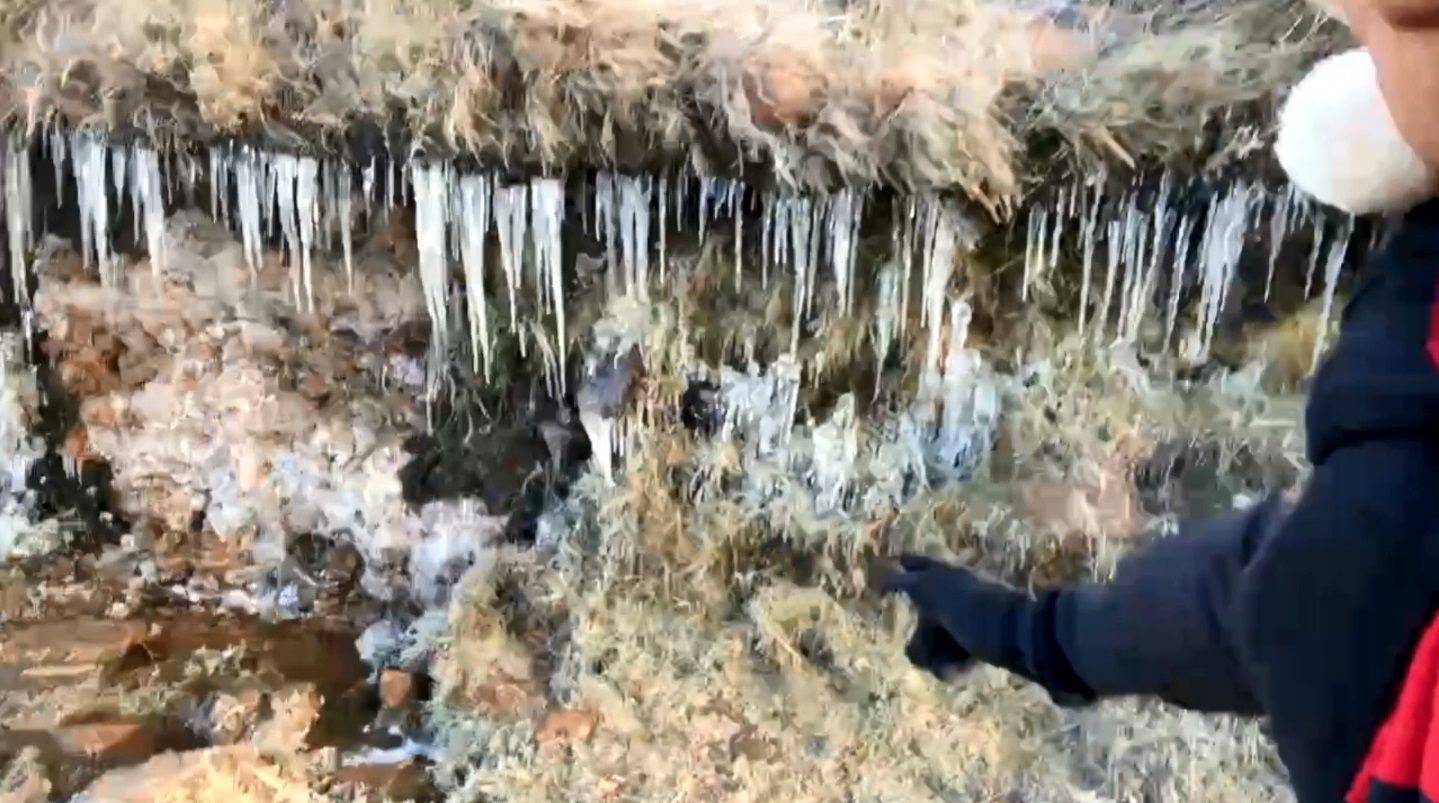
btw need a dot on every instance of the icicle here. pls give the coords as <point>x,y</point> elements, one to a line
<point>269,211</point>
<point>137,203</point>
<point>1176,277</point>
<point>547,200</point>
<point>634,224</point>
<point>1055,236</point>
<point>766,227</point>
<point>1278,223</point>
<point>1224,243</point>
<point>738,235</point>
<point>509,204</point>
<point>606,221</point>
<point>938,265</point>
<point>367,189</point>
<point>393,179</point>
<point>285,169</point>
<point>1034,232</point>
<point>19,212</point>
<point>585,201</point>
<point>801,219</point>
<point>682,191</point>
<point>1137,299</point>
<point>118,174</point>
<point>663,205</point>
<point>840,233</point>
<point>149,197</point>
<point>1115,247</point>
<point>1332,267</point>
<point>814,246</point>
<point>473,219</point>
<point>307,209</point>
<point>249,185</point>
<point>886,322</point>
<point>329,203</point>
<point>217,181</point>
<point>344,202</point>
<point>1129,261</point>
<point>88,153</point>
<point>55,138</point>
<point>1164,221</point>
<point>906,261</point>
<point>432,192</point>
<point>1087,236</point>
<point>227,177</point>
<point>191,175</point>
<point>1316,248</point>
<point>167,172</point>
<point>963,416</point>
<point>707,190</point>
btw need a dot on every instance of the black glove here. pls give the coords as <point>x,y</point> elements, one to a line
<point>964,617</point>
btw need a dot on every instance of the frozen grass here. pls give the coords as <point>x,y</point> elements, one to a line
<point>918,94</point>
<point>729,646</point>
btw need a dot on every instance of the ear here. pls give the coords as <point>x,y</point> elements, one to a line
<point>1338,143</point>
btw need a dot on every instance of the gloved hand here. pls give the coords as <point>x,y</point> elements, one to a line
<point>963,617</point>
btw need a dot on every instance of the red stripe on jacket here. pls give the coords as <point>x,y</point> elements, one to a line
<point>1405,751</point>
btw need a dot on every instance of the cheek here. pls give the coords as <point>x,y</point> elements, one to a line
<point>1409,77</point>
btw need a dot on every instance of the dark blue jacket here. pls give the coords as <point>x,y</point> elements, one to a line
<point>1305,613</point>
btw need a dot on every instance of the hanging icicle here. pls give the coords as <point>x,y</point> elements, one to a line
<point>1278,230</point>
<point>738,235</point>
<point>432,193</point>
<point>510,205</point>
<point>634,225</point>
<point>472,217</point>
<point>90,155</point>
<point>307,211</point>
<point>663,205</point>
<point>148,202</point>
<point>606,223</point>
<point>1223,246</point>
<point>1316,248</point>
<point>547,202</point>
<point>249,189</point>
<point>842,234</point>
<point>1089,236</point>
<point>1176,277</point>
<point>19,212</point>
<point>343,204</point>
<point>1332,266</point>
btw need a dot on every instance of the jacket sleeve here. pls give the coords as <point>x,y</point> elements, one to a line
<point>1164,626</point>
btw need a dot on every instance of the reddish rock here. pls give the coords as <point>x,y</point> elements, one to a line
<point>117,741</point>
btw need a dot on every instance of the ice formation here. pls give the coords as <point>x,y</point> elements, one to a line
<point>203,424</point>
<point>1161,251</point>
<point>21,533</point>
<point>15,172</point>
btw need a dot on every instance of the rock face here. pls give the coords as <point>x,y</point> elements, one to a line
<point>423,477</point>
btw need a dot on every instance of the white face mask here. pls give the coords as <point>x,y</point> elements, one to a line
<point>1338,143</point>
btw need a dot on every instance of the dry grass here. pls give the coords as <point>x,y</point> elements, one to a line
<point>918,94</point>
<point>719,630</point>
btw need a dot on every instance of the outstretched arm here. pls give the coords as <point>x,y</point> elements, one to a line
<point>1163,626</point>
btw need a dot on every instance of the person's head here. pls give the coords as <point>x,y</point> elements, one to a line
<point>1361,131</point>
<point>1402,36</point>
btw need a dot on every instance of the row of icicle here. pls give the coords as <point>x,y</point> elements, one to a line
<point>1145,237</point>
<point>309,203</point>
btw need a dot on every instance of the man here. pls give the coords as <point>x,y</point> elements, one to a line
<point>1315,614</point>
